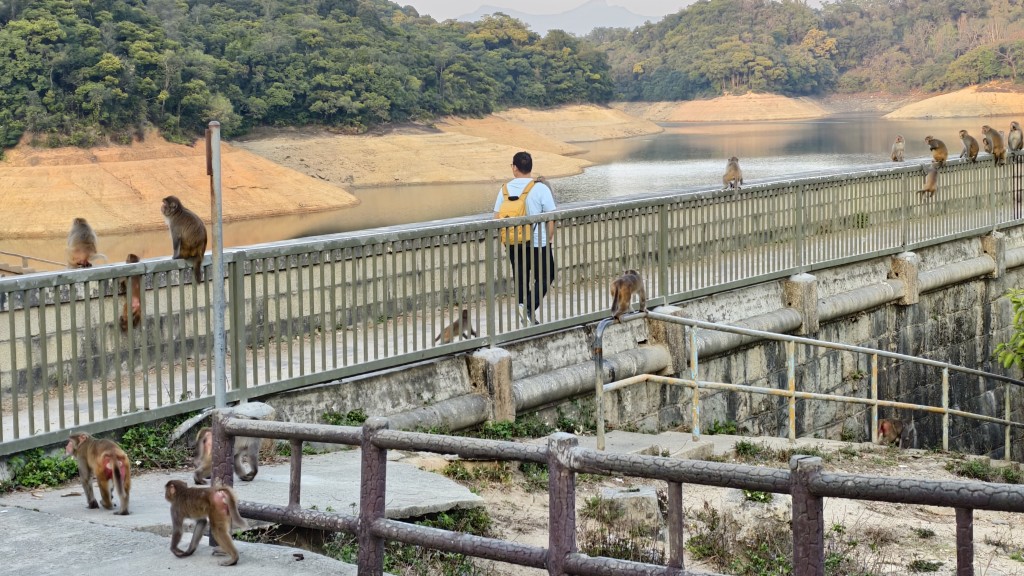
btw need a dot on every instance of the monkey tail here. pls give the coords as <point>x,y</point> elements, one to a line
<point>232,502</point>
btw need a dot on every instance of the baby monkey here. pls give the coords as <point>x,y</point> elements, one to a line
<point>623,288</point>
<point>460,327</point>
<point>893,431</point>
<point>216,504</point>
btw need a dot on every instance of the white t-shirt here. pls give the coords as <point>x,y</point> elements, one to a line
<point>538,201</point>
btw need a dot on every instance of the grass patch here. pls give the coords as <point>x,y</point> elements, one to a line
<point>34,469</point>
<point>606,530</point>
<point>981,469</point>
<point>351,418</point>
<point>148,445</point>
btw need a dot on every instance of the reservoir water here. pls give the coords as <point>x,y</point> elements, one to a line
<point>684,155</point>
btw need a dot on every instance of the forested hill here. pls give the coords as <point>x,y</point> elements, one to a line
<point>81,70</point>
<point>787,47</point>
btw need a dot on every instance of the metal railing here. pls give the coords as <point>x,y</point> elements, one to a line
<point>330,307</point>
<point>806,482</point>
<point>790,392</point>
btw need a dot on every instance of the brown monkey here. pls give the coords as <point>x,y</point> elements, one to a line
<point>81,244</point>
<point>460,327</point>
<point>133,297</point>
<point>938,148</point>
<point>733,177</point>
<point>188,234</point>
<point>892,431</point>
<point>931,181</point>
<point>623,288</point>
<point>998,149</point>
<point>1015,141</point>
<point>105,460</point>
<point>216,504</point>
<point>246,449</point>
<point>897,149</point>
<point>986,144</point>
<point>970,146</point>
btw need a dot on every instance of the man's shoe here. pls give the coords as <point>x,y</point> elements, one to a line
<point>524,316</point>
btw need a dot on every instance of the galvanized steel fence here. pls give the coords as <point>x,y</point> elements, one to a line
<point>328,307</point>
<point>807,483</point>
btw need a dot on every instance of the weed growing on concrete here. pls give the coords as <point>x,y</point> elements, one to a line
<point>479,473</point>
<point>757,496</point>
<point>924,566</point>
<point>351,418</point>
<point>148,445</point>
<point>727,427</point>
<point>414,560</point>
<point>529,426</point>
<point>33,469</point>
<point>746,449</point>
<point>924,533</point>
<point>980,469</point>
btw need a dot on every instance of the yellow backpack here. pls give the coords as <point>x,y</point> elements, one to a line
<point>512,207</point>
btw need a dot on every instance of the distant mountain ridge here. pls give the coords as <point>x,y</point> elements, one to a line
<point>579,21</point>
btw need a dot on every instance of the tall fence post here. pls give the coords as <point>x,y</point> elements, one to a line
<point>562,513</point>
<point>964,542</point>
<point>808,518</point>
<point>372,494</point>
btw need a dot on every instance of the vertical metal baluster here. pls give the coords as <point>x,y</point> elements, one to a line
<point>294,323</point>
<point>44,363</point>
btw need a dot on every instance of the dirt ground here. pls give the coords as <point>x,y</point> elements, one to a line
<point>118,188</point>
<point>882,538</point>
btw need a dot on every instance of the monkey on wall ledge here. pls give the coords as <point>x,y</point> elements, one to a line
<point>188,234</point>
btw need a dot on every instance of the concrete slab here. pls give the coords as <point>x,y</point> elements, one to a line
<point>58,524</point>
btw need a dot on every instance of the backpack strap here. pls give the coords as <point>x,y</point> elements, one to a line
<point>504,191</point>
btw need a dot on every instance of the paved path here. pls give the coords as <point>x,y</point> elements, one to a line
<point>50,531</point>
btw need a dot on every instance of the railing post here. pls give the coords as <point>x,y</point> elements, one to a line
<point>223,451</point>
<point>295,479</point>
<point>791,379</point>
<point>695,433</point>
<point>808,518</point>
<point>372,495</point>
<point>676,542</point>
<point>562,505</point>
<point>964,542</point>
<point>945,409</point>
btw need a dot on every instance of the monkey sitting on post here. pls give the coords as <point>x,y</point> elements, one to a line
<point>897,149</point>
<point>970,146</point>
<point>461,327</point>
<point>216,504</point>
<point>246,449</point>
<point>106,461</point>
<point>133,297</point>
<point>81,244</point>
<point>733,177</point>
<point>623,288</point>
<point>188,234</point>
<point>939,150</point>
<point>998,148</point>
<point>893,431</point>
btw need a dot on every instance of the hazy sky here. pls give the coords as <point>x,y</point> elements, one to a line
<point>444,9</point>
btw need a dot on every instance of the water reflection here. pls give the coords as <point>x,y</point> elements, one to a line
<point>691,154</point>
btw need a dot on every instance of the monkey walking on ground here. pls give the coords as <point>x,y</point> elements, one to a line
<point>939,150</point>
<point>970,150</point>
<point>461,327</point>
<point>133,297</point>
<point>216,504</point>
<point>897,149</point>
<point>931,181</point>
<point>623,288</point>
<point>188,234</point>
<point>246,449</point>
<point>733,177</point>
<point>998,149</point>
<point>893,431</point>
<point>105,460</point>
<point>81,247</point>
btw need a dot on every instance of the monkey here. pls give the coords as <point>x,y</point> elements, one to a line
<point>132,300</point>
<point>459,328</point>
<point>931,181</point>
<point>733,177</point>
<point>216,504</point>
<point>970,146</point>
<point>105,460</point>
<point>892,431</point>
<point>986,144</point>
<point>998,149</point>
<point>938,148</point>
<point>81,247</point>
<point>1015,141</point>
<point>623,288</point>
<point>897,149</point>
<point>246,449</point>
<point>188,234</point>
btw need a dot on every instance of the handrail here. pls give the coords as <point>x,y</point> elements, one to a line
<point>806,482</point>
<point>791,393</point>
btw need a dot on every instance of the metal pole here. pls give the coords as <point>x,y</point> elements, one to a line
<point>219,302</point>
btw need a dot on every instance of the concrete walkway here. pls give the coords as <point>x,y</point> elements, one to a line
<point>50,531</point>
